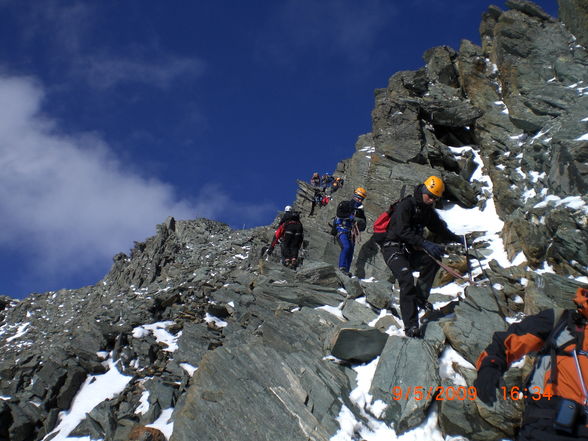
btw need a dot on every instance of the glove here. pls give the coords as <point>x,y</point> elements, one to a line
<point>434,249</point>
<point>360,224</point>
<point>456,238</point>
<point>486,384</point>
<point>270,250</point>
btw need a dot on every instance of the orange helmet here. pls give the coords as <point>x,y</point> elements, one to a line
<point>581,301</point>
<point>434,186</point>
<point>360,192</point>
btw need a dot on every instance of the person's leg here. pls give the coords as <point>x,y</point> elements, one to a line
<point>400,266</point>
<point>428,269</point>
<point>349,256</point>
<point>345,243</point>
<point>295,245</point>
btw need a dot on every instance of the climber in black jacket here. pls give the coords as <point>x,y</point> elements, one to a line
<point>405,250</point>
<point>291,235</point>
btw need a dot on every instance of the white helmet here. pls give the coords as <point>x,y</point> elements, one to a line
<point>287,208</point>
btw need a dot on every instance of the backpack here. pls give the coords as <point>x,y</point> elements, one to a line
<point>345,209</point>
<point>560,323</point>
<point>383,221</point>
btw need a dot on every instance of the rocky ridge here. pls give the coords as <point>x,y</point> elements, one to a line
<point>243,348</point>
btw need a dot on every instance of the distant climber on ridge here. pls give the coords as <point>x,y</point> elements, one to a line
<point>405,250</point>
<point>336,185</point>
<point>315,180</point>
<point>326,181</point>
<point>350,220</point>
<point>319,198</point>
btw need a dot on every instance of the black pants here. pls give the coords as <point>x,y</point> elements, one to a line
<point>292,240</point>
<point>403,263</point>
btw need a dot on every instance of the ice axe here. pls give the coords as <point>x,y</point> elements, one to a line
<point>451,271</point>
<point>467,253</point>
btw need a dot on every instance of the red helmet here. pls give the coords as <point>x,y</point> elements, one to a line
<point>581,301</point>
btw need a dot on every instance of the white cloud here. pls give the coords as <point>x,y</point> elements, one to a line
<point>108,72</point>
<point>66,199</point>
<point>66,22</point>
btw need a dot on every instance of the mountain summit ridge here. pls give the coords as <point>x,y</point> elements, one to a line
<point>237,347</point>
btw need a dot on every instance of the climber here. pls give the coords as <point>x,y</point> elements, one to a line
<point>315,180</point>
<point>280,230</point>
<point>327,180</point>
<point>350,220</point>
<point>555,393</point>
<point>292,242</point>
<point>317,199</point>
<point>405,250</point>
<point>290,234</point>
<point>336,185</point>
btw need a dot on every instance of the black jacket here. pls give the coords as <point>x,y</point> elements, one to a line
<point>410,218</point>
<point>349,212</point>
<point>289,216</point>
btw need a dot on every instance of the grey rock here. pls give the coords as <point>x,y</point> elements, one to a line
<point>357,343</point>
<point>398,368</point>
<point>161,392</point>
<point>356,311</point>
<point>379,293</point>
<point>476,319</point>
<point>75,378</point>
<point>450,113</point>
<point>21,427</point>
<point>384,323</point>
<point>319,273</point>
<point>440,65</point>
<point>546,291</point>
<point>528,8</point>
<point>568,234</point>
<point>274,392</point>
<point>352,286</point>
<point>102,419</point>
<point>520,234</point>
<point>194,342</point>
<point>467,417</point>
<point>574,13</point>
<point>301,295</point>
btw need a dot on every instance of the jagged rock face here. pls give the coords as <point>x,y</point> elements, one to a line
<point>262,336</point>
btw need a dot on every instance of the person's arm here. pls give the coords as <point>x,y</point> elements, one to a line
<point>277,235</point>
<point>360,219</point>
<point>439,226</point>
<point>509,346</point>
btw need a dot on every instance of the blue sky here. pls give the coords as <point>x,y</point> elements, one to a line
<point>117,114</point>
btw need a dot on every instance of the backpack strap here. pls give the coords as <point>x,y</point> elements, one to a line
<point>562,319</point>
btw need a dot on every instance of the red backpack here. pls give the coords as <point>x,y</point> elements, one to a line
<point>383,221</point>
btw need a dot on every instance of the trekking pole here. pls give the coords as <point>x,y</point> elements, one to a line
<point>355,234</point>
<point>483,271</point>
<point>580,376</point>
<point>487,276</point>
<point>467,250</point>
